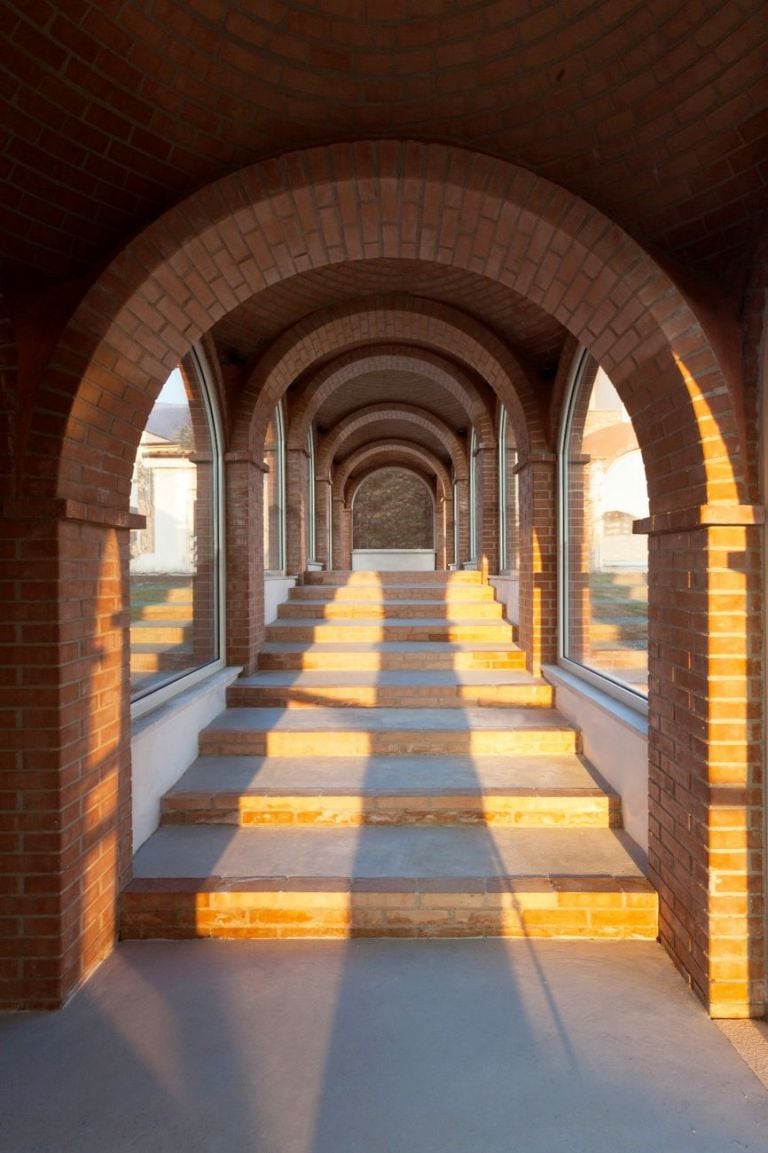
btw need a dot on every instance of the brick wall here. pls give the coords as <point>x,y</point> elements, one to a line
<point>393,509</point>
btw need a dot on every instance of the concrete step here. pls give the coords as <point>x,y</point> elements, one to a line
<point>390,610</point>
<point>463,593</point>
<point>426,655</point>
<point>215,881</point>
<point>165,632</point>
<point>392,689</point>
<point>416,629</point>
<point>555,791</point>
<point>177,611</point>
<point>160,658</point>
<point>384,731</point>
<point>345,577</point>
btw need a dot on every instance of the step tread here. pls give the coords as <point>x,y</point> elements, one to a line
<point>392,854</point>
<point>395,678</point>
<point>556,774</point>
<point>418,648</point>
<point>361,622</point>
<point>352,719</point>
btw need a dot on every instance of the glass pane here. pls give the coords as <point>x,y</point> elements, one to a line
<point>173,576</point>
<point>607,610</point>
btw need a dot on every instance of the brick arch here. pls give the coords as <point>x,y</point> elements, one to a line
<point>436,202</point>
<point>407,413</point>
<point>358,480</point>
<point>426,324</point>
<point>382,358</point>
<point>395,454</point>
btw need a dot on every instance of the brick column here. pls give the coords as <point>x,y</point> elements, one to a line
<point>538,559</point>
<point>705,738</point>
<point>578,643</point>
<point>244,484</point>
<point>66,800</point>
<point>337,513</point>
<point>322,503</point>
<point>296,511</point>
<point>488,508</point>
<point>441,560</point>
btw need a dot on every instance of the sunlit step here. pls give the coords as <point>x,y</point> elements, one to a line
<point>356,732</point>
<point>534,791</point>
<point>417,629</point>
<point>160,632</point>
<point>428,656</point>
<point>345,577</point>
<point>177,611</point>
<point>217,881</point>
<point>463,594</point>
<point>395,610</point>
<point>159,658</point>
<point>394,689</point>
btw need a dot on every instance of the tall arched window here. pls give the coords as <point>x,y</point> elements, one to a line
<point>604,602</point>
<point>175,562</point>
<point>509,519</point>
<point>274,494</point>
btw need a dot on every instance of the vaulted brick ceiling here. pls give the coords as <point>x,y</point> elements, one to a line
<point>654,110</point>
<point>379,387</point>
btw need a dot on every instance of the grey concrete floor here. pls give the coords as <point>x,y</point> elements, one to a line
<point>378,1047</point>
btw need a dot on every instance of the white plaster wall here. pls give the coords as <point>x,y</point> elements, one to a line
<point>614,740</point>
<point>276,590</point>
<point>164,745</point>
<point>393,559</point>
<point>508,594</point>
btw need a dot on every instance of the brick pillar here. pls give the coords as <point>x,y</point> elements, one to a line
<point>244,483</point>
<point>205,579</point>
<point>538,560</point>
<point>345,514</point>
<point>64,672</point>
<point>337,513</point>
<point>322,505</point>
<point>705,773</point>
<point>296,511</point>
<point>488,508</point>
<point>441,560</point>
<point>450,555</point>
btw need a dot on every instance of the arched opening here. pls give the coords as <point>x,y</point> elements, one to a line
<point>393,521</point>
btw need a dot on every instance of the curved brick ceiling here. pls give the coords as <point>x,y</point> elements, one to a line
<point>391,429</point>
<point>379,387</point>
<point>250,328</point>
<point>654,110</point>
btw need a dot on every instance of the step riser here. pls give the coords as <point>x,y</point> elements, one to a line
<point>535,811</point>
<point>519,913</point>
<point>388,697</point>
<point>371,662</point>
<point>398,743</point>
<point>387,631</point>
<point>293,610</point>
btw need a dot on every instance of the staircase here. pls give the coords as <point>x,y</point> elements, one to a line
<point>391,770</point>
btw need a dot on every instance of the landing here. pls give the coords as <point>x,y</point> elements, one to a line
<point>373,1046</point>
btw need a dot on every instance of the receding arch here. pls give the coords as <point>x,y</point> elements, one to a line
<point>402,453</point>
<point>383,358</point>
<point>402,413</point>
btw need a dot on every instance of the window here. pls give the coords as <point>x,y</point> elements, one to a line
<point>174,562</point>
<point>604,618</point>
<point>473,496</point>
<point>509,520</point>
<point>274,494</point>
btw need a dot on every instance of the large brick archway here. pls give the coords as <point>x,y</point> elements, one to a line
<point>459,209</point>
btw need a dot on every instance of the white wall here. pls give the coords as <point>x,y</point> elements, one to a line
<point>164,745</point>
<point>508,594</point>
<point>614,740</point>
<point>276,590</point>
<point>393,559</point>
